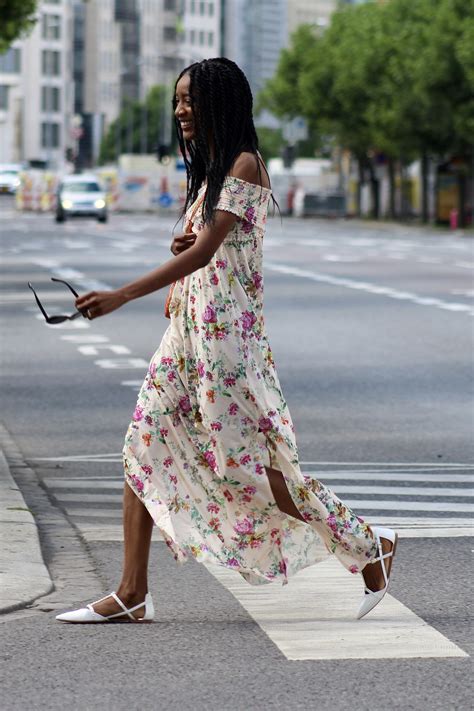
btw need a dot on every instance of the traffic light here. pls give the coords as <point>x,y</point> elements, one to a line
<point>163,153</point>
<point>288,154</point>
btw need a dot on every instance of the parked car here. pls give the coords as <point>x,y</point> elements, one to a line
<point>9,178</point>
<point>81,195</point>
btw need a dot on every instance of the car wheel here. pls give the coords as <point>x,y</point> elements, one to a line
<point>103,218</point>
<point>60,217</point>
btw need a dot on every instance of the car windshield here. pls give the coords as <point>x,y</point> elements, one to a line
<point>9,172</point>
<point>85,187</point>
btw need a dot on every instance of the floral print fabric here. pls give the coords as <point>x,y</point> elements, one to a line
<point>211,416</point>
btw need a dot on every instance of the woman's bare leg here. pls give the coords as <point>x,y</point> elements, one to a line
<point>137,529</point>
<point>372,573</point>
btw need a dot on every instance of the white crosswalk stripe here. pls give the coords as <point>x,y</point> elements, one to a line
<point>419,500</point>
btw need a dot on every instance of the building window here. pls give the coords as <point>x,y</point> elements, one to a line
<point>4,96</point>
<point>51,26</point>
<point>10,61</point>
<point>51,63</point>
<point>201,37</point>
<point>50,98</point>
<point>211,9</point>
<point>202,8</point>
<point>169,33</point>
<point>210,38</point>
<point>50,135</point>
<point>193,7</point>
<point>170,4</point>
<point>192,36</point>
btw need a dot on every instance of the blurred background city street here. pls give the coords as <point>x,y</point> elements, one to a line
<point>365,115</point>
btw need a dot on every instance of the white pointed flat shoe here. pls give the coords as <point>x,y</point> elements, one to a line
<point>87,614</point>
<point>371,598</point>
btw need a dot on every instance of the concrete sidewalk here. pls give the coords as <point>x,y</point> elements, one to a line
<point>23,574</point>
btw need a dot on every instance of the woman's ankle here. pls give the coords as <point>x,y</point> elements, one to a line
<point>132,593</point>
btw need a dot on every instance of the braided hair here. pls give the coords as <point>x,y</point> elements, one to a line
<point>221,101</point>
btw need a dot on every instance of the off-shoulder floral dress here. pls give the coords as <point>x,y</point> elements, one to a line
<point>211,416</point>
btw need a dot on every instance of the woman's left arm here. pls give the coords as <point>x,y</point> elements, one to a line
<point>208,240</point>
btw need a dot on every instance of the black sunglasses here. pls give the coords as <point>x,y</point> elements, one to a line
<point>59,318</point>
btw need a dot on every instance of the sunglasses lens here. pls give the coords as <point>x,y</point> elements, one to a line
<point>57,319</point>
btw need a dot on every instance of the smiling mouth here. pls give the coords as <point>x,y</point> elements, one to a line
<point>186,125</point>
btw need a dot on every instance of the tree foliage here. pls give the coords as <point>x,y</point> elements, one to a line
<point>396,76</point>
<point>137,124</point>
<point>17,17</point>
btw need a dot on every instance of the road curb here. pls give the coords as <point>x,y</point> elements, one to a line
<point>24,576</point>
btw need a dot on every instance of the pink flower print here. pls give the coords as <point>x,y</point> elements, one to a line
<point>166,360</point>
<point>167,462</point>
<point>229,380</point>
<point>152,370</point>
<point>250,489</point>
<point>216,426</point>
<point>245,460</point>
<point>171,376</point>
<point>353,569</point>
<point>213,508</point>
<point>137,482</point>
<point>214,523</point>
<point>244,526</point>
<point>192,299</point>
<point>233,408</point>
<point>259,468</point>
<point>265,424</point>
<point>138,413</point>
<point>163,432</point>
<point>149,420</point>
<point>255,543</point>
<point>146,469</point>
<point>173,478</point>
<point>228,495</point>
<point>248,220</point>
<point>200,368</point>
<point>210,315</point>
<point>274,532</point>
<point>282,567</point>
<point>209,376</point>
<point>248,319</point>
<point>221,263</point>
<point>257,280</point>
<point>184,404</point>
<point>211,460</point>
<point>214,279</point>
<point>332,522</point>
<point>233,562</point>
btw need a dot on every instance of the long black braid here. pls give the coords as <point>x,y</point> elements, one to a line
<point>222,102</point>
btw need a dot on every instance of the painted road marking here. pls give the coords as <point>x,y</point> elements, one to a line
<point>402,490</point>
<point>314,618</point>
<point>370,288</point>
<point>358,505</point>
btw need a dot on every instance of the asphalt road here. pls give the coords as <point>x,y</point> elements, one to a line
<point>371,329</point>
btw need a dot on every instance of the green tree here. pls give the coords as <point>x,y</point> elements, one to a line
<point>17,18</point>
<point>393,78</point>
<point>138,127</point>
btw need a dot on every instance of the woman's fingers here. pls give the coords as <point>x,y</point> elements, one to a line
<point>182,242</point>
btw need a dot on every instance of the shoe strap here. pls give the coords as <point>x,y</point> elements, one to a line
<point>125,610</point>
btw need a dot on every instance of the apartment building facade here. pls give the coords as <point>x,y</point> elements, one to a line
<point>36,91</point>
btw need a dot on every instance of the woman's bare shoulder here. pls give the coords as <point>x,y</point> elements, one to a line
<point>245,168</point>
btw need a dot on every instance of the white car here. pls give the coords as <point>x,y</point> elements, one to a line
<point>9,178</point>
<point>81,195</point>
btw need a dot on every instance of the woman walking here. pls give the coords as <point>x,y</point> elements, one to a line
<point>210,456</point>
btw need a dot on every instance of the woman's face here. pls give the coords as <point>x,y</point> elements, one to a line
<point>183,110</point>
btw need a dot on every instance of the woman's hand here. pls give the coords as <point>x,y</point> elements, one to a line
<point>182,242</point>
<point>99,303</point>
